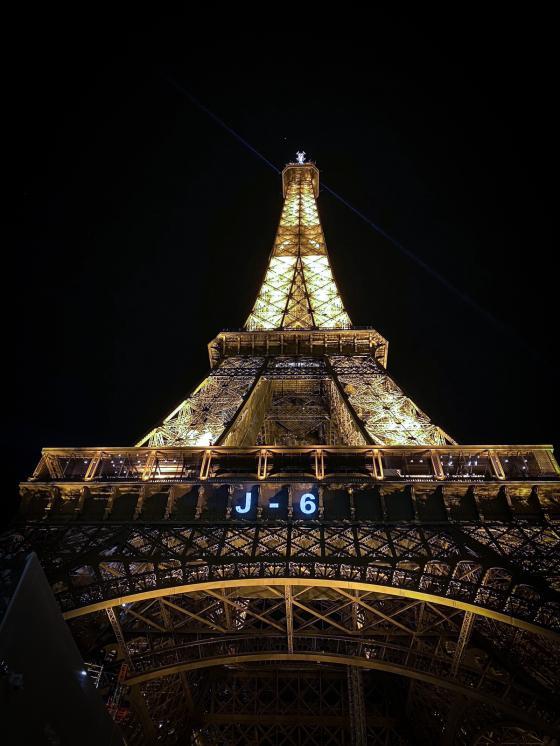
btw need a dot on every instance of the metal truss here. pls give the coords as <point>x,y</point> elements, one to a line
<point>348,427</point>
<point>298,414</point>
<point>300,626</point>
<point>299,291</point>
<point>356,393</point>
<point>306,343</point>
<point>512,579</point>
<point>357,706</point>
<point>388,415</point>
<point>297,555</point>
<point>292,707</point>
<point>222,410</point>
<point>202,418</point>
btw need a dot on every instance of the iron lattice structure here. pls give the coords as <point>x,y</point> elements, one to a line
<point>297,554</point>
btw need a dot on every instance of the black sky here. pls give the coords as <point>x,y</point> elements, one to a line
<point>147,229</point>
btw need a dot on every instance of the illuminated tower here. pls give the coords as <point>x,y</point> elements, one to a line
<point>298,374</point>
<point>297,554</point>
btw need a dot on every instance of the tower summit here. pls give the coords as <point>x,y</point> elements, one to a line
<point>299,290</point>
<point>297,508</point>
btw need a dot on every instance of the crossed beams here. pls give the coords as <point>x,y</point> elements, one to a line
<point>388,415</point>
<point>489,569</point>
<point>201,419</point>
<point>299,290</point>
<point>290,707</point>
<point>409,637</point>
<point>356,392</point>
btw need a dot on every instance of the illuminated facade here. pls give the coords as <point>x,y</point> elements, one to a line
<point>297,554</point>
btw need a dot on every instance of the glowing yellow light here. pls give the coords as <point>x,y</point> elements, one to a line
<point>299,290</point>
<point>200,439</point>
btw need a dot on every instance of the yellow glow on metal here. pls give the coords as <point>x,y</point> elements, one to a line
<point>299,290</point>
<point>200,420</point>
<point>271,302</point>
<point>388,415</point>
<point>347,585</point>
<point>298,293</point>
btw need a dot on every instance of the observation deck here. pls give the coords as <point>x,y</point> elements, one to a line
<point>381,484</point>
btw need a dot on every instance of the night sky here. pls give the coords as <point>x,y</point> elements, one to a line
<point>147,228</point>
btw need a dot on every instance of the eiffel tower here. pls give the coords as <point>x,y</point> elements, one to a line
<point>297,554</point>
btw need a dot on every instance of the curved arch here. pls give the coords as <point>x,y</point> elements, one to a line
<point>344,660</point>
<point>312,582</point>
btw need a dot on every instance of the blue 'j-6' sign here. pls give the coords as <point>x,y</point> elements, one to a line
<point>275,504</point>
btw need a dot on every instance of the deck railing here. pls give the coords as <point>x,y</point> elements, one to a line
<point>390,463</point>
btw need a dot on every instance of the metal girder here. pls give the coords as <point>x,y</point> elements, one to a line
<point>203,418</point>
<point>357,393</point>
<point>358,724</point>
<point>289,617</point>
<point>290,706</point>
<point>298,290</point>
<point>197,617</point>
<point>412,639</point>
<point>308,342</point>
<point>168,626</point>
<point>134,693</point>
<point>104,565</point>
<point>121,643</point>
<point>548,724</point>
<point>386,413</point>
<point>462,642</point>
<point>433,562</point>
